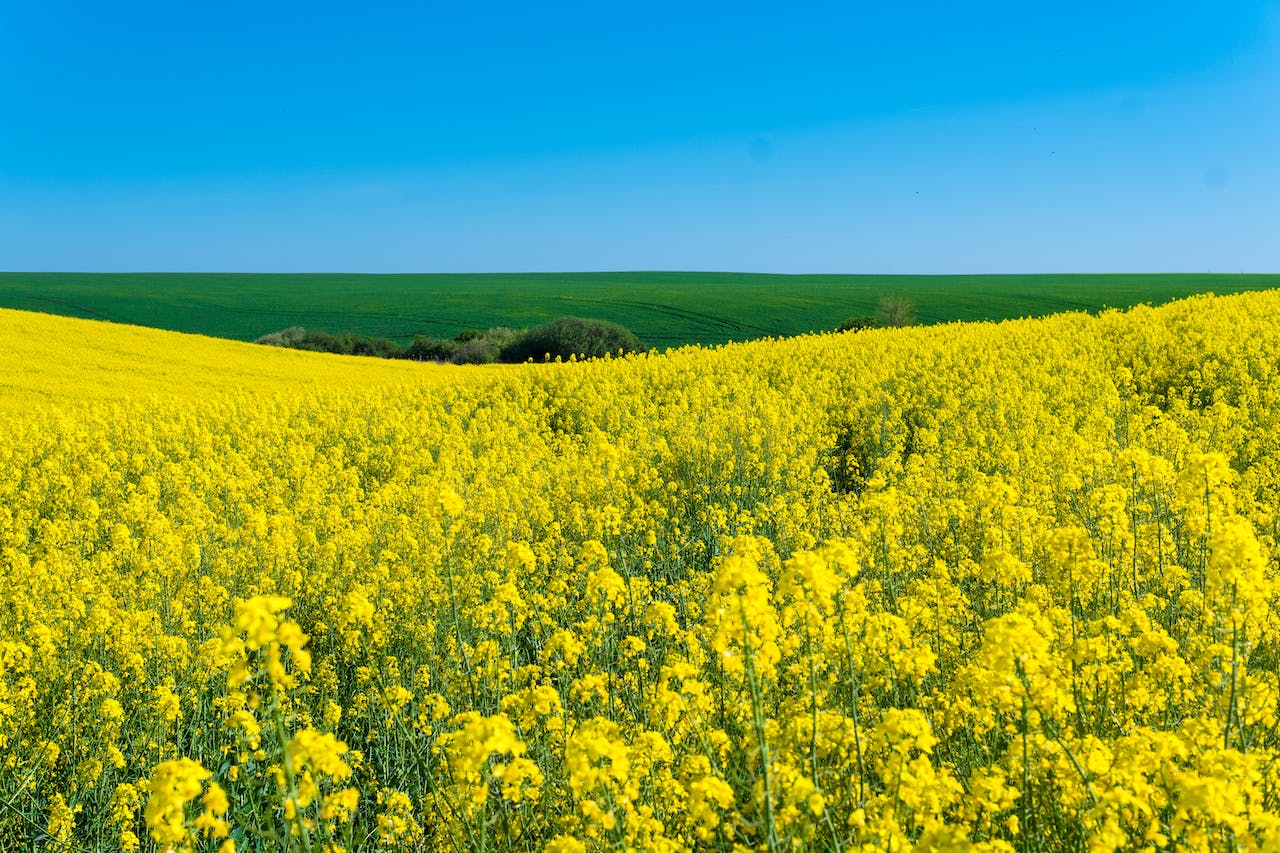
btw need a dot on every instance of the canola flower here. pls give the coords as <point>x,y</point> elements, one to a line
<point>980,587</point>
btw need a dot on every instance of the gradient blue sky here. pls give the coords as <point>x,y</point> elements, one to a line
<point>888,137</point>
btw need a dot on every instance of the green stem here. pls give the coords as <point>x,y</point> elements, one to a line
<point>757,713</point>
<point>277,719</point>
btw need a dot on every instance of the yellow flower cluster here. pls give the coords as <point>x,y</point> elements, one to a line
<point>982,587</point>
<point>173,785</point>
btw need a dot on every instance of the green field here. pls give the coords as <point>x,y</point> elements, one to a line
<point>663,308</point>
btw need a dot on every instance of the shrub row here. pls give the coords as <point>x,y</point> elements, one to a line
<point>567,337</point>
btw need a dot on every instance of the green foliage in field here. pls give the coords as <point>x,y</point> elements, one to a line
<point>572,336</point>
<point>662,308</point>
<point>565,338</point>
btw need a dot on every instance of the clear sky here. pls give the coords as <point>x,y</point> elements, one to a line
<point>878,137</point>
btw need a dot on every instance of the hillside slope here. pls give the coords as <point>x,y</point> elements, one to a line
<point>44,358</point>
<point>663,308</point>
<point>975,587</point>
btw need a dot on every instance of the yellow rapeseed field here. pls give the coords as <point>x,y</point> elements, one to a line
<point>47,359</point>
<point>969,588</point>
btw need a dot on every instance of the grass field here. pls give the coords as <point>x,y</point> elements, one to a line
<point>663,308</point>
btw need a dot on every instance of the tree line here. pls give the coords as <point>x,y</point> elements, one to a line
<point>567,337</point>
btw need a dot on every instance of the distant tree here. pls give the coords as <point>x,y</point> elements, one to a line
<point>895,312</point>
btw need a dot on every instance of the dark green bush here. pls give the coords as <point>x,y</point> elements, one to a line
<point>857,324</point>
<point>284,338</point>
<point>375,347</point>
<point>426,348</point>
<point>347,343</point>
<point>572,336</point>
<point>485,349</point>
<point>475,351</point>
<point>322,342</point>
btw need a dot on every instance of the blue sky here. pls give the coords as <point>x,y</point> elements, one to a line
<point>888,137</point>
